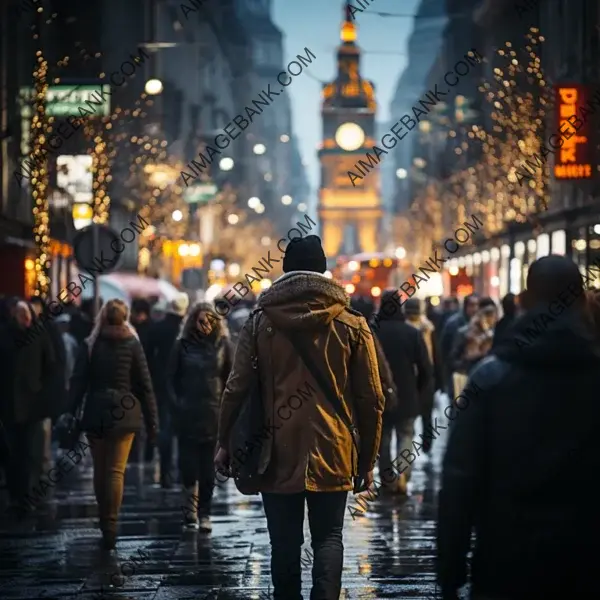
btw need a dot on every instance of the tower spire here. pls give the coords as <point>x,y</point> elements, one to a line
<point>348,32</point>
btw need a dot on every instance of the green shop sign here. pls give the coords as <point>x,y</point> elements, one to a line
<point>70,101</point>
<point>200,193</point>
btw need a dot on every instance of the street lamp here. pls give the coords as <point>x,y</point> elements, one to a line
<point>233,219</point>
<point>286,200</point>
<point>153,87</point>
<point>226,164</point>
<point>259,149</point>
<point>254,202</point>
<point>400,253</point>
<point>177,215</point>
<point>302,207</point>
<point>284,138</point>
<point>260,209</point>
<point>401,173</point>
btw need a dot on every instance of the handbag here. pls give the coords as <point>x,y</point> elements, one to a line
<point>249,425</point>
<point>331,396</point>
<point>68,427</point>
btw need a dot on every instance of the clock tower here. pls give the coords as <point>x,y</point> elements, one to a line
<point>349,211</point>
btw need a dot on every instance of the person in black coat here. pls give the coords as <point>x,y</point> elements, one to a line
<point>522,450</point>
<point>28,362</point>
<point>448,337</point>
<point>112,373</point>
<point>406,353</point>
<point>509,310</point>
<point>162,338</point>
<point>198,370</point>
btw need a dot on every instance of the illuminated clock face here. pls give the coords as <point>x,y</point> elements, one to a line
<point>349,136</point>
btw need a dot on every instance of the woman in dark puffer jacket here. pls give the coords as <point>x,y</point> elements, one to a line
<point>198,370</point>
<point>111,369</point>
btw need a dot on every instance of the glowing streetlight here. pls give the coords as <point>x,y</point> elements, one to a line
<point>401,173</point>
<point>233,219</point>
<point>287,200</point>
<point>400,253</point>
<point>260,209</point>
<point>253,202</point>
<point>234,269</point>
<point>349,287</point>
<point>265,240</point>
<point>194,249</point>
<point>353,265</point>
<point>153,87</point>
<point>302,207</point>
<point>177,215</point>
<point>183,250</point>
<point>376,291</point>
<point>284,138</point>
<point>226,164</point>
<point>419,162</point>
<point>268,177</point>
<point>259,149</point>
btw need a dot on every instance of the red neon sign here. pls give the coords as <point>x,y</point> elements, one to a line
<point>573,158</point>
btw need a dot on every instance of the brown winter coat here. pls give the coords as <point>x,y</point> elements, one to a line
<point>310,448</point>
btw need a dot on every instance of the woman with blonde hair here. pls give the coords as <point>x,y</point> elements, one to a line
<point>112,375</point>
<point>198,370</point>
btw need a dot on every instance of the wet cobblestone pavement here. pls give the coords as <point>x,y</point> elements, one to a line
<point>55,553</point>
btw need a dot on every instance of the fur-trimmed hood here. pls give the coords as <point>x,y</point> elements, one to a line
<point>303,299</point>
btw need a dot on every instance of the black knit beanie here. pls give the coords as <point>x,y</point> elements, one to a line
<point>305,254</point>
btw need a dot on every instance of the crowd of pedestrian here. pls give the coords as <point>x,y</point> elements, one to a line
<point>518,450</point>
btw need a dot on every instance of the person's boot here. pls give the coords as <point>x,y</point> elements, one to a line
<point>189,507</point>
<point>204,523</point>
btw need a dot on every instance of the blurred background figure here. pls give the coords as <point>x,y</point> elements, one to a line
<point>413,309</point>
<point>237,314</point>
<point>198,370</point>
<point>163,334</point>
<point>473,342</point>
<point>407,356</point>
<point>112,372</point>
<point>82,320</point>
<point>56,387</point>
<point>28,363</point>
<point>140,319</point>
<point>71,346</point>
<point>448,336</point>
<point>509,314</point>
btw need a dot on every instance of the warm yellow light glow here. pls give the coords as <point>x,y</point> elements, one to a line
<point>353,265</point>
<point>434,300</point>
<point>453,271</point>
<point>29,264</point>
<point>183,250</point>
<point>400,253</point>
<point>265,284</point>
<point>374,262</point>
<point>349,287</point>
<point>349,136</point>
<point>376,292</point>
<point>348,33</point>
<point>194,249</point>
<point>388,262</point>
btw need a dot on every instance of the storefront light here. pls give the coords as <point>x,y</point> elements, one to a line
<point>495,281</point>
<point>476,258</point>
<point>353,265</point>
<point>376,291</point>
<point>349,287</point>
<point>469,260</point>
<point>505,251</point>
<point>461,262</point>
<point>494,254</point>
<point>543,245</point>
<point>597,229</point>
<point>519,249</point>
<point>485,256</point>
<point>531,246</point>
<point>453,271</point>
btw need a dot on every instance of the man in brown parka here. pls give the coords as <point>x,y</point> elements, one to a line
<point>311,455</point>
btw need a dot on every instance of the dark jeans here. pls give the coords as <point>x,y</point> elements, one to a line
<point>196,464</point>
<point>24,469</point>
<point>285,521</point>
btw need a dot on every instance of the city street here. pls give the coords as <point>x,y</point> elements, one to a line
<point>388,551</point>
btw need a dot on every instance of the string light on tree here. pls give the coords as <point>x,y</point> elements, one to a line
<point>39,178</point>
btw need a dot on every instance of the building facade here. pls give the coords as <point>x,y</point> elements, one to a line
<point>349,204</point>
<point>552,177</point>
